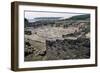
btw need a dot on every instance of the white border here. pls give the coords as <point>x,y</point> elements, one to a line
<point>23,64</point>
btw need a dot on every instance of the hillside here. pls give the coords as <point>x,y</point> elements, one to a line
<point>80,17</point>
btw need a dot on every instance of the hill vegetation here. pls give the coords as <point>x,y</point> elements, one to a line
<point>80,17</point>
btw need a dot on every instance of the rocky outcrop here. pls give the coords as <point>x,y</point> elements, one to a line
<point>68,49</point>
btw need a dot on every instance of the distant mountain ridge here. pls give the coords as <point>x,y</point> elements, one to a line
<point>40,21</point>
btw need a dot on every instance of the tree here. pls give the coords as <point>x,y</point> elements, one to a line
<point>26,23</point>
